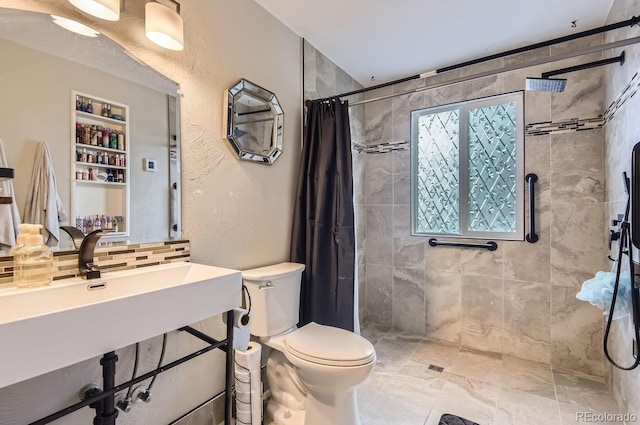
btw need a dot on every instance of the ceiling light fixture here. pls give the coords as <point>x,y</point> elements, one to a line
<point>164,26</point>
<point>74,26</point>
<point>108,10</point>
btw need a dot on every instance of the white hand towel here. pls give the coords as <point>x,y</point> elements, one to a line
<point>9,214</point>
<point>43,204</point>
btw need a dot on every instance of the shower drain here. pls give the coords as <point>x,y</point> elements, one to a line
<point>436,368</point>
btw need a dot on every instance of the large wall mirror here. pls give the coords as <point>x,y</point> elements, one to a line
<point>43,65</point>
<point>254,122</point>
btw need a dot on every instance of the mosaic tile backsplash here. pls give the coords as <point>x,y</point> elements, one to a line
<point>110,258</point>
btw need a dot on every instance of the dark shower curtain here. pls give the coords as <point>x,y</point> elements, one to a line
<point>323,233</point>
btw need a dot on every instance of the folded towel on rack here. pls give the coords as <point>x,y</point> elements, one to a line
<point>9,214</point>
<point>43,204</point>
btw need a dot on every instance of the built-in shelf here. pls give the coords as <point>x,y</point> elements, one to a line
<point>100,182</point>
<point>99,118</point>
<point>93,164</point>
<point>93,199</point>
<point>99,148</point>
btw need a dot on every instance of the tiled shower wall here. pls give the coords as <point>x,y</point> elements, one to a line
<point>519,300</point>
<point>622,132</point>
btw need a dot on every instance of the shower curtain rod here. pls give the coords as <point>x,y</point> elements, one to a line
<point>635,20</point>
<point>509,68</point>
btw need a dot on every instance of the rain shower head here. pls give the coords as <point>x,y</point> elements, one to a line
<point>558,84</point>
<point>546,84</point>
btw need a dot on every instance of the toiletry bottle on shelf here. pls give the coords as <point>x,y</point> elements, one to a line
<point>79,224</point>
<point>83,105</point>
<point>94,135</point>
<point>88,225</point>
<point>105,137</point>
<point>33,263</point>
<point>86,135</point>
<point>78,132</point>
<point>89,107</point>
<point>78,103</point>
<point>113,141</point>
<point>121,141</point>
<point>109,111</point>
<point>104,112</point>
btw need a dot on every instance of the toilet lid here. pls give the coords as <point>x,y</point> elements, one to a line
<point>329,346</point>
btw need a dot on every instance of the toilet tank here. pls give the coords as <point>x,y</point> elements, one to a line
<point>275,297</point>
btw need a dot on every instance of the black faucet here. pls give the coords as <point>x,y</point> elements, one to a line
<point>76,235</point>
<point>85,255</point>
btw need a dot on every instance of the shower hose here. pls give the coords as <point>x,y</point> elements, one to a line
<point>625,247</point>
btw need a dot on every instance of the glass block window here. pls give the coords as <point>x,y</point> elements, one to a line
<point>467,169</point>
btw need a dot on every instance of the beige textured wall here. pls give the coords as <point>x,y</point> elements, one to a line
<point>236,214</point>
<point>622,133</point>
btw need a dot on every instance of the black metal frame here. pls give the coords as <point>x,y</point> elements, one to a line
<point>104,400</point>
<point>490,245</point>
<point>532,236</point>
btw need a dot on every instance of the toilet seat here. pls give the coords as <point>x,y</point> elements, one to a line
<point>327,345</point>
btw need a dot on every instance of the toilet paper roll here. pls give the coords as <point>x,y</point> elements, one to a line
<point>248,385</point>
<point>241,322</point>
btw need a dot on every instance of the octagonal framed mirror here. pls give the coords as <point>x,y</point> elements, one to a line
<point>254,122</point>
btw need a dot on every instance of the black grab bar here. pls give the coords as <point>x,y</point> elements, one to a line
<point>532,236</point>
<point>491,246</point>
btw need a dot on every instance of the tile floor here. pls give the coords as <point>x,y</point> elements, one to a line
<point>486,388</point>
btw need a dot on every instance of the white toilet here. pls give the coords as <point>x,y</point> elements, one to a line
<point>312,372</point>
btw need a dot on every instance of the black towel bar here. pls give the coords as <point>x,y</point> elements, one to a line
<point>6,173</point>
<point>491,246</point>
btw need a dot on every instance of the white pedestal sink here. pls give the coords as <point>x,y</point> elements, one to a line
<point>44,329</point>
